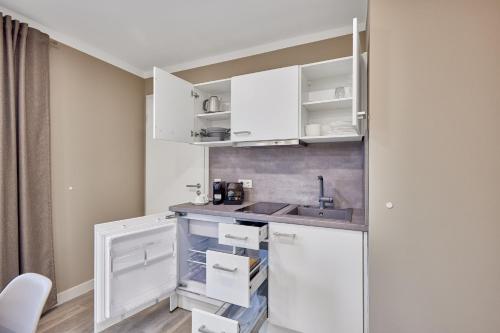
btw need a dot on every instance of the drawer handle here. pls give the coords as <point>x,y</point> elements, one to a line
<point>282,234</point>
<point>235,237</point>
<point>225,269</point>
<point>204,329</point>
<point>242,132</point>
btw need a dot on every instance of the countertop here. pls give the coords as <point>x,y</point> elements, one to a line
<point>358,216</point>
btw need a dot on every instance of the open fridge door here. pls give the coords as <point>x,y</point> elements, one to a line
<point>136,267</point>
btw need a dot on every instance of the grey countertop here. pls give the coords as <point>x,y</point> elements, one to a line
<point>358,216</point>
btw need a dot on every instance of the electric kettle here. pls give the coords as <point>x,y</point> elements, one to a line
<point>212,104</point>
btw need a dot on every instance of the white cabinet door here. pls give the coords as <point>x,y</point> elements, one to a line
<point>315,278</point>
<point>356,76</point>
<point>135,266</point>
<point>265,105</point>
<point>170,166</point>
<point>173,107</point>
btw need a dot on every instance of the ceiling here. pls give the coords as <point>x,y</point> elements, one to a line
<point>178,34</point>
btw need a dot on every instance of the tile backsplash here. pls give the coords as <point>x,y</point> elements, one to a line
<point>289,174</point>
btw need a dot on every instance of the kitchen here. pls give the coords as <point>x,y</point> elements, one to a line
<point>274,166</point>
<point>253,189</point>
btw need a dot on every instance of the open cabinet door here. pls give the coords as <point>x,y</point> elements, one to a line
<point>173,107</point>
<point>170,166</point>
<point>356,76</point>
<point>135,266</point>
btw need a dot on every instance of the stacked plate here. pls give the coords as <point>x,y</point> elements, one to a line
<point>342,127</point>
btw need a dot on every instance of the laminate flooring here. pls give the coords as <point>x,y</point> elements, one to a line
<point>77,316</point>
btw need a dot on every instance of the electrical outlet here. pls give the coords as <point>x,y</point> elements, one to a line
<point>247,183</point>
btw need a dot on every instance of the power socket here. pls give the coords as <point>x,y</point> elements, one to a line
<point>247,183</point>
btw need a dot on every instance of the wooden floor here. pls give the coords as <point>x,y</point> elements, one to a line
<point>77,316</point>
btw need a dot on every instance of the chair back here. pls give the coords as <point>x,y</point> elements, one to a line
<point>22,302</point>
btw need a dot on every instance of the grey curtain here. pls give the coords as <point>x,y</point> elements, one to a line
<point>25,189</point>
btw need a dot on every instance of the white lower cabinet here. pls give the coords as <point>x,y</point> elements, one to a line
<point>141,261</point>
<point>312,278</point>
<point>316,279</point>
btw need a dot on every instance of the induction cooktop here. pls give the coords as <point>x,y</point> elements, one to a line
<point>266,208</point>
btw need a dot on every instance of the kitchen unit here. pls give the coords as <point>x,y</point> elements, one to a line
<point>251,267</point>
<point>271,107</point>
<point>234,268</point>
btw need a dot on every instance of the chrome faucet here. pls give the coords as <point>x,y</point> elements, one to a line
<point>322,198</point>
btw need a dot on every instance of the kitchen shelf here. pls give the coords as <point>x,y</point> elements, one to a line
<point>329,104</point>
<point>215,115</point>
<point>328,68</point>
<point>214,143</point>
<point>217,87</point>
<point>331,138</point>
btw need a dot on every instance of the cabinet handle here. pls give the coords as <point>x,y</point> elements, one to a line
<point>235,237</point>
<point>204,329</point>
<point>225,269</point>
<point>282,234</point>
<point>198,186</point>
<point>242,132</point>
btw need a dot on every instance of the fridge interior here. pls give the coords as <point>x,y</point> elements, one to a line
<point>195,239</point>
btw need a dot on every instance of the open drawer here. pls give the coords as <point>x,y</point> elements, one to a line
<point>231,318</point>
<point>243,234</point>
<point>234,278</point>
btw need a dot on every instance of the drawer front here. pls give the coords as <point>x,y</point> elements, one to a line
<point>245,236</point>
<point>205,322</point>
<point>228,278</point>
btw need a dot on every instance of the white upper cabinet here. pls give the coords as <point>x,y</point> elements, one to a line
<point>173,116</point>
<point>332,97</point>
<point>265,105</point>
<point>179,114</point>
<point>319,102</point>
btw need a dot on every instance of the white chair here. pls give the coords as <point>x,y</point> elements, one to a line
<point>22,302</point>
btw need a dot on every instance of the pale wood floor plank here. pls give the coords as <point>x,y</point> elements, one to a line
<point>77,316</point>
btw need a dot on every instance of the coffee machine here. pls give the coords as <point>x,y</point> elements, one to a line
<point>234,194</point>
<point>218,192</point>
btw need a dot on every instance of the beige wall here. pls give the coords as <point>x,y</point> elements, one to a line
<point>97,141</point>
<point>434,152</point>
<point>302,54</point>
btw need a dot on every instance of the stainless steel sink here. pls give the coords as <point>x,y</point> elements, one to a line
<point>325,213</point>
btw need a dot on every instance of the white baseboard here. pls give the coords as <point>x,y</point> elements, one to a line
<point>74,292</point>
